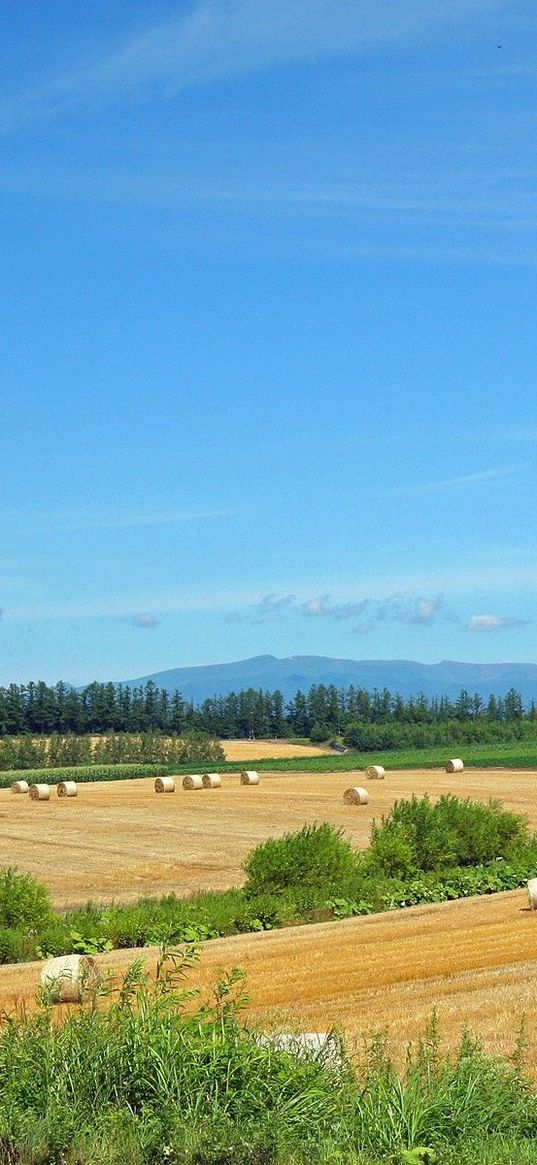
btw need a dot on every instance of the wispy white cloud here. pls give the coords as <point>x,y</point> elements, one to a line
<point>487,623</point>
<point>323,607</point>
<point>462,482</point>
<point>395,609</point>
<point>72,520</point>
<point>220,39</point>
<point>516,433</point>
<point>400,609</point>
<point>145,620</point>
<point>274,608</point>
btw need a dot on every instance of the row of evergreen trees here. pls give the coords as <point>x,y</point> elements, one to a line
<point>324,711</point>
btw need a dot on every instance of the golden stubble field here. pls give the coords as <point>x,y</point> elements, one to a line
<point>120,839</point>
<point>243,750</point>
<point>474,961</point>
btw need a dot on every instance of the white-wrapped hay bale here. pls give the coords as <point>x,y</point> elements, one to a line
<point>211,780</point>
<point>66,978</point>
<point>455,766</point>
<point>193,782</point>
<point>67,789</point>
<point>249,777</point>
<point>40,792</point>
<point>164,785</point>
<point>532,893</point>
<point>20,787</point>
<point>356,796</point>
<point>375,773</point>
<point>324,1046</point>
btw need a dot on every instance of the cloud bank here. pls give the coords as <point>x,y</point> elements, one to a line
<point>273,608</point>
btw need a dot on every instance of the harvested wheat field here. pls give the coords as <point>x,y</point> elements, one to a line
<point>269,749</point>
<point>121,840</point>
<point>474,961</point>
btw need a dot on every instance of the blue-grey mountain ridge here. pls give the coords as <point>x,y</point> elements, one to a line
<point>407,677</point>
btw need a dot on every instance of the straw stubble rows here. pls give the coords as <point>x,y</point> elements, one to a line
<point>474,961</point>
<point>123,840</point>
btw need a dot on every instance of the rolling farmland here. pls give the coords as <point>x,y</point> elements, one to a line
<point>121,840</point>
<point>474,961</point>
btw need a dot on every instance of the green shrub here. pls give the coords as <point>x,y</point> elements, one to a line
<point>417,835</point>
<point>316,856</point>
<point>24,902</point>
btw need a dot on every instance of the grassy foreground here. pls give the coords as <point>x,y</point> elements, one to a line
<point>144,1076</point>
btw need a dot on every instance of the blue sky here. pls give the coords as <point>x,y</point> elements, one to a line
<point>269,345</point>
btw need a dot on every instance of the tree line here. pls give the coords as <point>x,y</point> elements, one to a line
<point>361,718</point>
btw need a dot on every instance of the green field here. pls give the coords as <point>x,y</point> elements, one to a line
<point>513,755</point>
<point>81,774</point>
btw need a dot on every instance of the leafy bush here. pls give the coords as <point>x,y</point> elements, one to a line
<point>24,902</point>
<point>315,856</point>
<point>417,835</point>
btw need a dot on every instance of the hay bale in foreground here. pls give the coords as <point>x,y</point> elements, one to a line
<point>20,787</point>
<point>164,785</point>
<point>40,792</point>
<point>324,1046</point>
<point>532,893</point>
<point>66,978</point>
<point>211,780</point>
<point>375,773</point>
<point>455,766</point>
<point>67,789</point>
<point>356,796</point>
<point>249,777</point>
<point>193,782</point>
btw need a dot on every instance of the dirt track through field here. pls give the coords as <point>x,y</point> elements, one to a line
<point>121,840</point>
<point>474,961</point>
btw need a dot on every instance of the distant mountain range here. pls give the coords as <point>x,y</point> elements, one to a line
<point>301,671</point>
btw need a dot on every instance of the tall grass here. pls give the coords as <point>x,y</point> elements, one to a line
<point>151,1075</point>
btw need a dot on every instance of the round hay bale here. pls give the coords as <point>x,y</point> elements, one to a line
<point>164,785</point>
<point>249,777</point>
<point>211,780</point>
<point>20,787</point>
<point>193,782</point>
<point>532,893</point>
<point>40,792</point>
<point>67,789</point>
<point>356,796</point>
<point>375,773</point>
<point>67,977</point>
<point>455,766</point>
